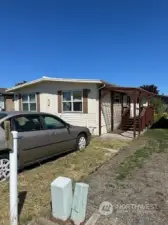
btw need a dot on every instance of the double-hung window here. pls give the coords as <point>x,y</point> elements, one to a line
<point>29,102</point>
<point>72,101</point>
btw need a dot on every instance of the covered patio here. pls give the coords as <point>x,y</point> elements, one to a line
<point>136,114</point>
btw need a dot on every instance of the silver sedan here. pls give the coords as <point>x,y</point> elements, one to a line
<point>41,136</point>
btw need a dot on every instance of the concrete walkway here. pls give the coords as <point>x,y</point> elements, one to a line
<point>127,135</point>
<point>123,135</point>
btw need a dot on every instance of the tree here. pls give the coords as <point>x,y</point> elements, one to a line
<point>23,82</point>
<point>151,88</point>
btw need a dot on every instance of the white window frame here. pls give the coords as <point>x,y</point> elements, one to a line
<point>72,101</point>
<point>29,102</point>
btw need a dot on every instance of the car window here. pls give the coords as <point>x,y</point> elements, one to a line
<point>53,122</point>
<point>27,123</point>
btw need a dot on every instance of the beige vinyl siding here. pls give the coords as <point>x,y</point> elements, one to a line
<point>49,102</point>
<point>117,115</point>
<point>16,102</point>
<point>106,114</point>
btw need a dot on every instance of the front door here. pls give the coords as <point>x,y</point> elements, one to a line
<point>61,139</point>
<point>33,141</point>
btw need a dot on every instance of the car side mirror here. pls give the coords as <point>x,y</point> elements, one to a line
<point>67,125</point>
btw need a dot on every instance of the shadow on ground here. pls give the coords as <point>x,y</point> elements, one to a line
<point>21,198</point>
<point>161,124</point>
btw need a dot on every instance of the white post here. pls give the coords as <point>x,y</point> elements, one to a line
<point>61,195</point>
<point>13,181</point>
<point>79,203</point>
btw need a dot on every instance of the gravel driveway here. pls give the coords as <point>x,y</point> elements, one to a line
<point>139,199</point>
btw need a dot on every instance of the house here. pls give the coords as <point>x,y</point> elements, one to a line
<point>99,105</point>
<point>6,100</point>
<point>164,99</point>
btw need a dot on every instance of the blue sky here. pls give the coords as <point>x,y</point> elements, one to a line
<point>124,41</point>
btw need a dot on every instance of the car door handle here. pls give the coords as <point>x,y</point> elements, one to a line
<point>54,133</point>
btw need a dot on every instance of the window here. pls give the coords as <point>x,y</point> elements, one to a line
<point>117,98</point>
<point>72,101</point>
<point>29,102</point>
<point>128,99</point>
<point>53,122</point>
<point>27,123</point>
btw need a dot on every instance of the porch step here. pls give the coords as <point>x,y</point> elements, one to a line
<point>129,124</point>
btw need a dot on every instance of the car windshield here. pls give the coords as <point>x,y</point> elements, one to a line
<point>2,115</point>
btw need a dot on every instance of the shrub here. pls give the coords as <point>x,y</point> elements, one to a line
<point>158,105</point>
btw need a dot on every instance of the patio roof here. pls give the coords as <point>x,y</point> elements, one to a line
<point>128,90</point>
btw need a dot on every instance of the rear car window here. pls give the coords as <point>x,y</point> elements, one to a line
<point>27,123</point>
<point>2,115</point>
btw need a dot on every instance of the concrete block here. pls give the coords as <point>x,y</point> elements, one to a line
<point>61,197</point>
<point>79,203</point>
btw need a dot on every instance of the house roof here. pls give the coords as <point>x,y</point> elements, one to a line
<point>2,90</point>
<point>163,96</point>
<point>107,85</point>
<point>50,79</point>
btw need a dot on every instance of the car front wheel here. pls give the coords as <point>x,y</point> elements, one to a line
<point>81,142</point>
<point>4,167</point>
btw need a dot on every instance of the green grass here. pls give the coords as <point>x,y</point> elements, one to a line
<point>36,181</point>
<point>156,142</point>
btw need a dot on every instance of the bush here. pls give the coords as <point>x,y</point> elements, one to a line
<point>158,105</point>
<point>159,108</point>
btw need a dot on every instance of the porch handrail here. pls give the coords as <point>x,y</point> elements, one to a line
<point>146,117</point>
<point>143,111</point>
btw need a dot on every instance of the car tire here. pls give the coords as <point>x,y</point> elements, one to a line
<point>81,142</point>
<point>4,167</point>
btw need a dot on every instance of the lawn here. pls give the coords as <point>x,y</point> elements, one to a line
<point>156,142</point>
<point>34,183</point>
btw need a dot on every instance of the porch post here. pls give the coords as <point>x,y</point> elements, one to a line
<point>122,104</point>
<point>112,110</point>
<point>134,100</point>
<point>5,102</point>
<point>100,112</point>
<point>149,100</point>
<point>140,99</point>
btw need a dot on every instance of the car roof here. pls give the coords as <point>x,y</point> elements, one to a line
<point>14,113</point>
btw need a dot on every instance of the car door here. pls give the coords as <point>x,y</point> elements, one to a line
<point>61,138</point>
<point>33,141</point>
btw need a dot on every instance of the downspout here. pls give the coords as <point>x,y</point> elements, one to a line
<point>100,88</point>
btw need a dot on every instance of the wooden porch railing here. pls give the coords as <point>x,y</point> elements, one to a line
<point>146,117</point>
